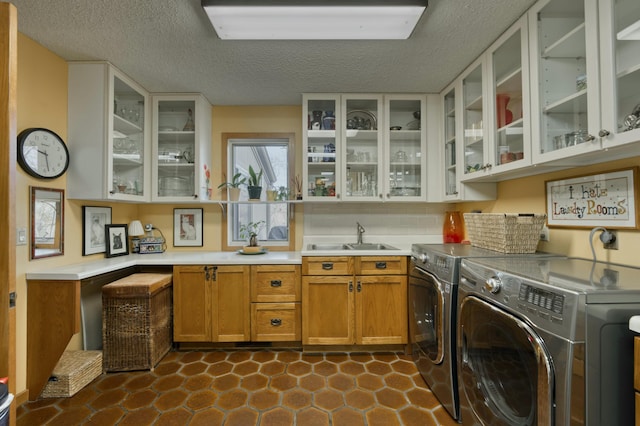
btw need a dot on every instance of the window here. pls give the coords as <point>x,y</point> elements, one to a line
<point>273,155</point>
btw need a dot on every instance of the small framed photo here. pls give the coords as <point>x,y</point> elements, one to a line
<point>187,227</point>
<point>93,236</point>
<point>117,241</point>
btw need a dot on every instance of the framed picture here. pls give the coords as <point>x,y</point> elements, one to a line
<point>117,241</point>
<point>93,236</point>
<point>187,227</point>
<point>604,199</point>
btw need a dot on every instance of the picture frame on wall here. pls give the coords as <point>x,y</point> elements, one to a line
<point>94,220</point>
<point>187,228</point>
<point>606,199</point>
<point>117,240</point>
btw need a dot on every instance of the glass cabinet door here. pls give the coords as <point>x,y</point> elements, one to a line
<point>472,116</point>
<point>322,121</point>
<point>404,148</point>
<point>509,77</point>
<point>449,127</point>
<point>620,71</point>
<point>362,150</point>
<point>564,82</point>
<point>128,142</point>
<point>175,139</point>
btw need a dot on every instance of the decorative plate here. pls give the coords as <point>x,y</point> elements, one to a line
<point>263,251</point>
<point>360,115</point>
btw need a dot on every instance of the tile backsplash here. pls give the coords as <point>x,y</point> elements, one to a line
<point>377,218</point>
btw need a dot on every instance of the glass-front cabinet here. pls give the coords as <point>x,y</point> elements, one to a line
<point>404,148</point>
<point>181,142</point>
<point>620,71</point>
<point>362,148</point>
<point>564,79</point>
<point>509,86</point>
<point>473,107</point>
<point>108,134</point>
<point>322,121</point>
<point>449,151</point>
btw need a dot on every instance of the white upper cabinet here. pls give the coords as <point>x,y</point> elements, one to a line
<point>181,141</point>
<point>364,147</point>
<point>620,72</point>
<point>565,81</point>
<point>108,134</point>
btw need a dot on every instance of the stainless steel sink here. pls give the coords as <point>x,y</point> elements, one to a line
<point>352,246</point>
<point>328,247</point>
<point>371,246</point>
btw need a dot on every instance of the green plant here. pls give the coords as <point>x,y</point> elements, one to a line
<point>246,231</point>
<point>283,193</point>
<point>255,179</point>
<point>236,181</point>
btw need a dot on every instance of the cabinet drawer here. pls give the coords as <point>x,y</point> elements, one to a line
<point>334,265</point>
<point>275,283</point>
<point>381,265</point>
<point>636,362</point>
<point>275,322</point>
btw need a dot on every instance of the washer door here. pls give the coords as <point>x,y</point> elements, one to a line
<point>505,371</point>
<point>426,305</point>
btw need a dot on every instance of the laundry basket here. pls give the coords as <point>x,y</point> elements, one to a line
<point>136,322</point>
<point>505,232</point>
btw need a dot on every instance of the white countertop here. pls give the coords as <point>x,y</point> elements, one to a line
<point>634,323</point>
<point>81,271</point>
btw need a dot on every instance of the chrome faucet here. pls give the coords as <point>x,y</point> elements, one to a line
<point>360,232</point>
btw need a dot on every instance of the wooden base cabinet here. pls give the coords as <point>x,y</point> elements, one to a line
<point>211,303</point>
<point>354,300</point>
<point>636,375</point>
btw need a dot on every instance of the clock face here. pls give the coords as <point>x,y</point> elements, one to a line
<point>42,153</point>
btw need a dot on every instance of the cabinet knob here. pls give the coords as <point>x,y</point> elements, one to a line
<point>276,283</point>
<point>350,286</point>
<point>359,287</point>
<point>327,266</point>
<point>276,322</point>
<point>604,133</point>
<point>590,138</point>
<point>381,265</point>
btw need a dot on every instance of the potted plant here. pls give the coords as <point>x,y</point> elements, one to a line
<point>283,193</point>
<point>254,186</point>
<point>250,233</point>
<point>233,187</point>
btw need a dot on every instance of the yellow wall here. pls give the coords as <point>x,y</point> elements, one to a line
<point>527,195</point>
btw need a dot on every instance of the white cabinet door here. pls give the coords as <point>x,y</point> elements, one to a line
<point>108,134</point>
<point>321,120</point>
<point>564,79</point>
<point>181,140</point>
<point>404,148</point>
<point>620,72</point>
<point>473,120</point>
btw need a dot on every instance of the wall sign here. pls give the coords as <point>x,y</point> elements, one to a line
<point>604,199</point>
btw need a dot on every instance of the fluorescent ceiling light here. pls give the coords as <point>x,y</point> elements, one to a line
<point>317,20</point>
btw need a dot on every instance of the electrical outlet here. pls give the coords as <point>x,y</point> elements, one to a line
<point>544,233</point>
<point>21,236</point>
<point>613,245</point>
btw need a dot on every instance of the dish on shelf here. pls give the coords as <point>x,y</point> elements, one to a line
<point>262,251</point>
<point>413,125</point>
<point>361,120</point>
<point>167,129</point>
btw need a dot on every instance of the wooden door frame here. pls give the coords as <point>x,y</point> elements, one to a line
<point>8,124</point>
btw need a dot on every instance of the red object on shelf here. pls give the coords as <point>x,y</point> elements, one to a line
<point>504,115</point>
<point>453,227</point>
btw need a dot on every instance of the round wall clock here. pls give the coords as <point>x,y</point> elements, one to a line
<point>42,153</point>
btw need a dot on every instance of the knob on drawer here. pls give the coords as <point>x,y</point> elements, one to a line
<point>276,322</point>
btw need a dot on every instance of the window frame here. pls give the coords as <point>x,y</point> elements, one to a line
<point>226,155</point>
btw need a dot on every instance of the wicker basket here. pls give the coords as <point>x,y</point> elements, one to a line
<point>74,371</point>
<point>136,322</point>
<point>505,232</point>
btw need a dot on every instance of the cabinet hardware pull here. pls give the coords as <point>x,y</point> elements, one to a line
<point>276,322</point>
<point>359,287</point>
<point>327,266</point>
<point>276,283</point>
<point>350,286</point>
<point>381,265</point>
<point>604,133</point>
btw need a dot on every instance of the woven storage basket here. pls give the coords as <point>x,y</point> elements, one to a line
<point>136,322</point>
<point>505,232</point>
<point>74,371</point>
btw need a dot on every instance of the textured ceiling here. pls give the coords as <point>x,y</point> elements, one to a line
<point>170,46</point>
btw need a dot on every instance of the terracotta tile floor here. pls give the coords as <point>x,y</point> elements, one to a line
<point>251,387</point>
